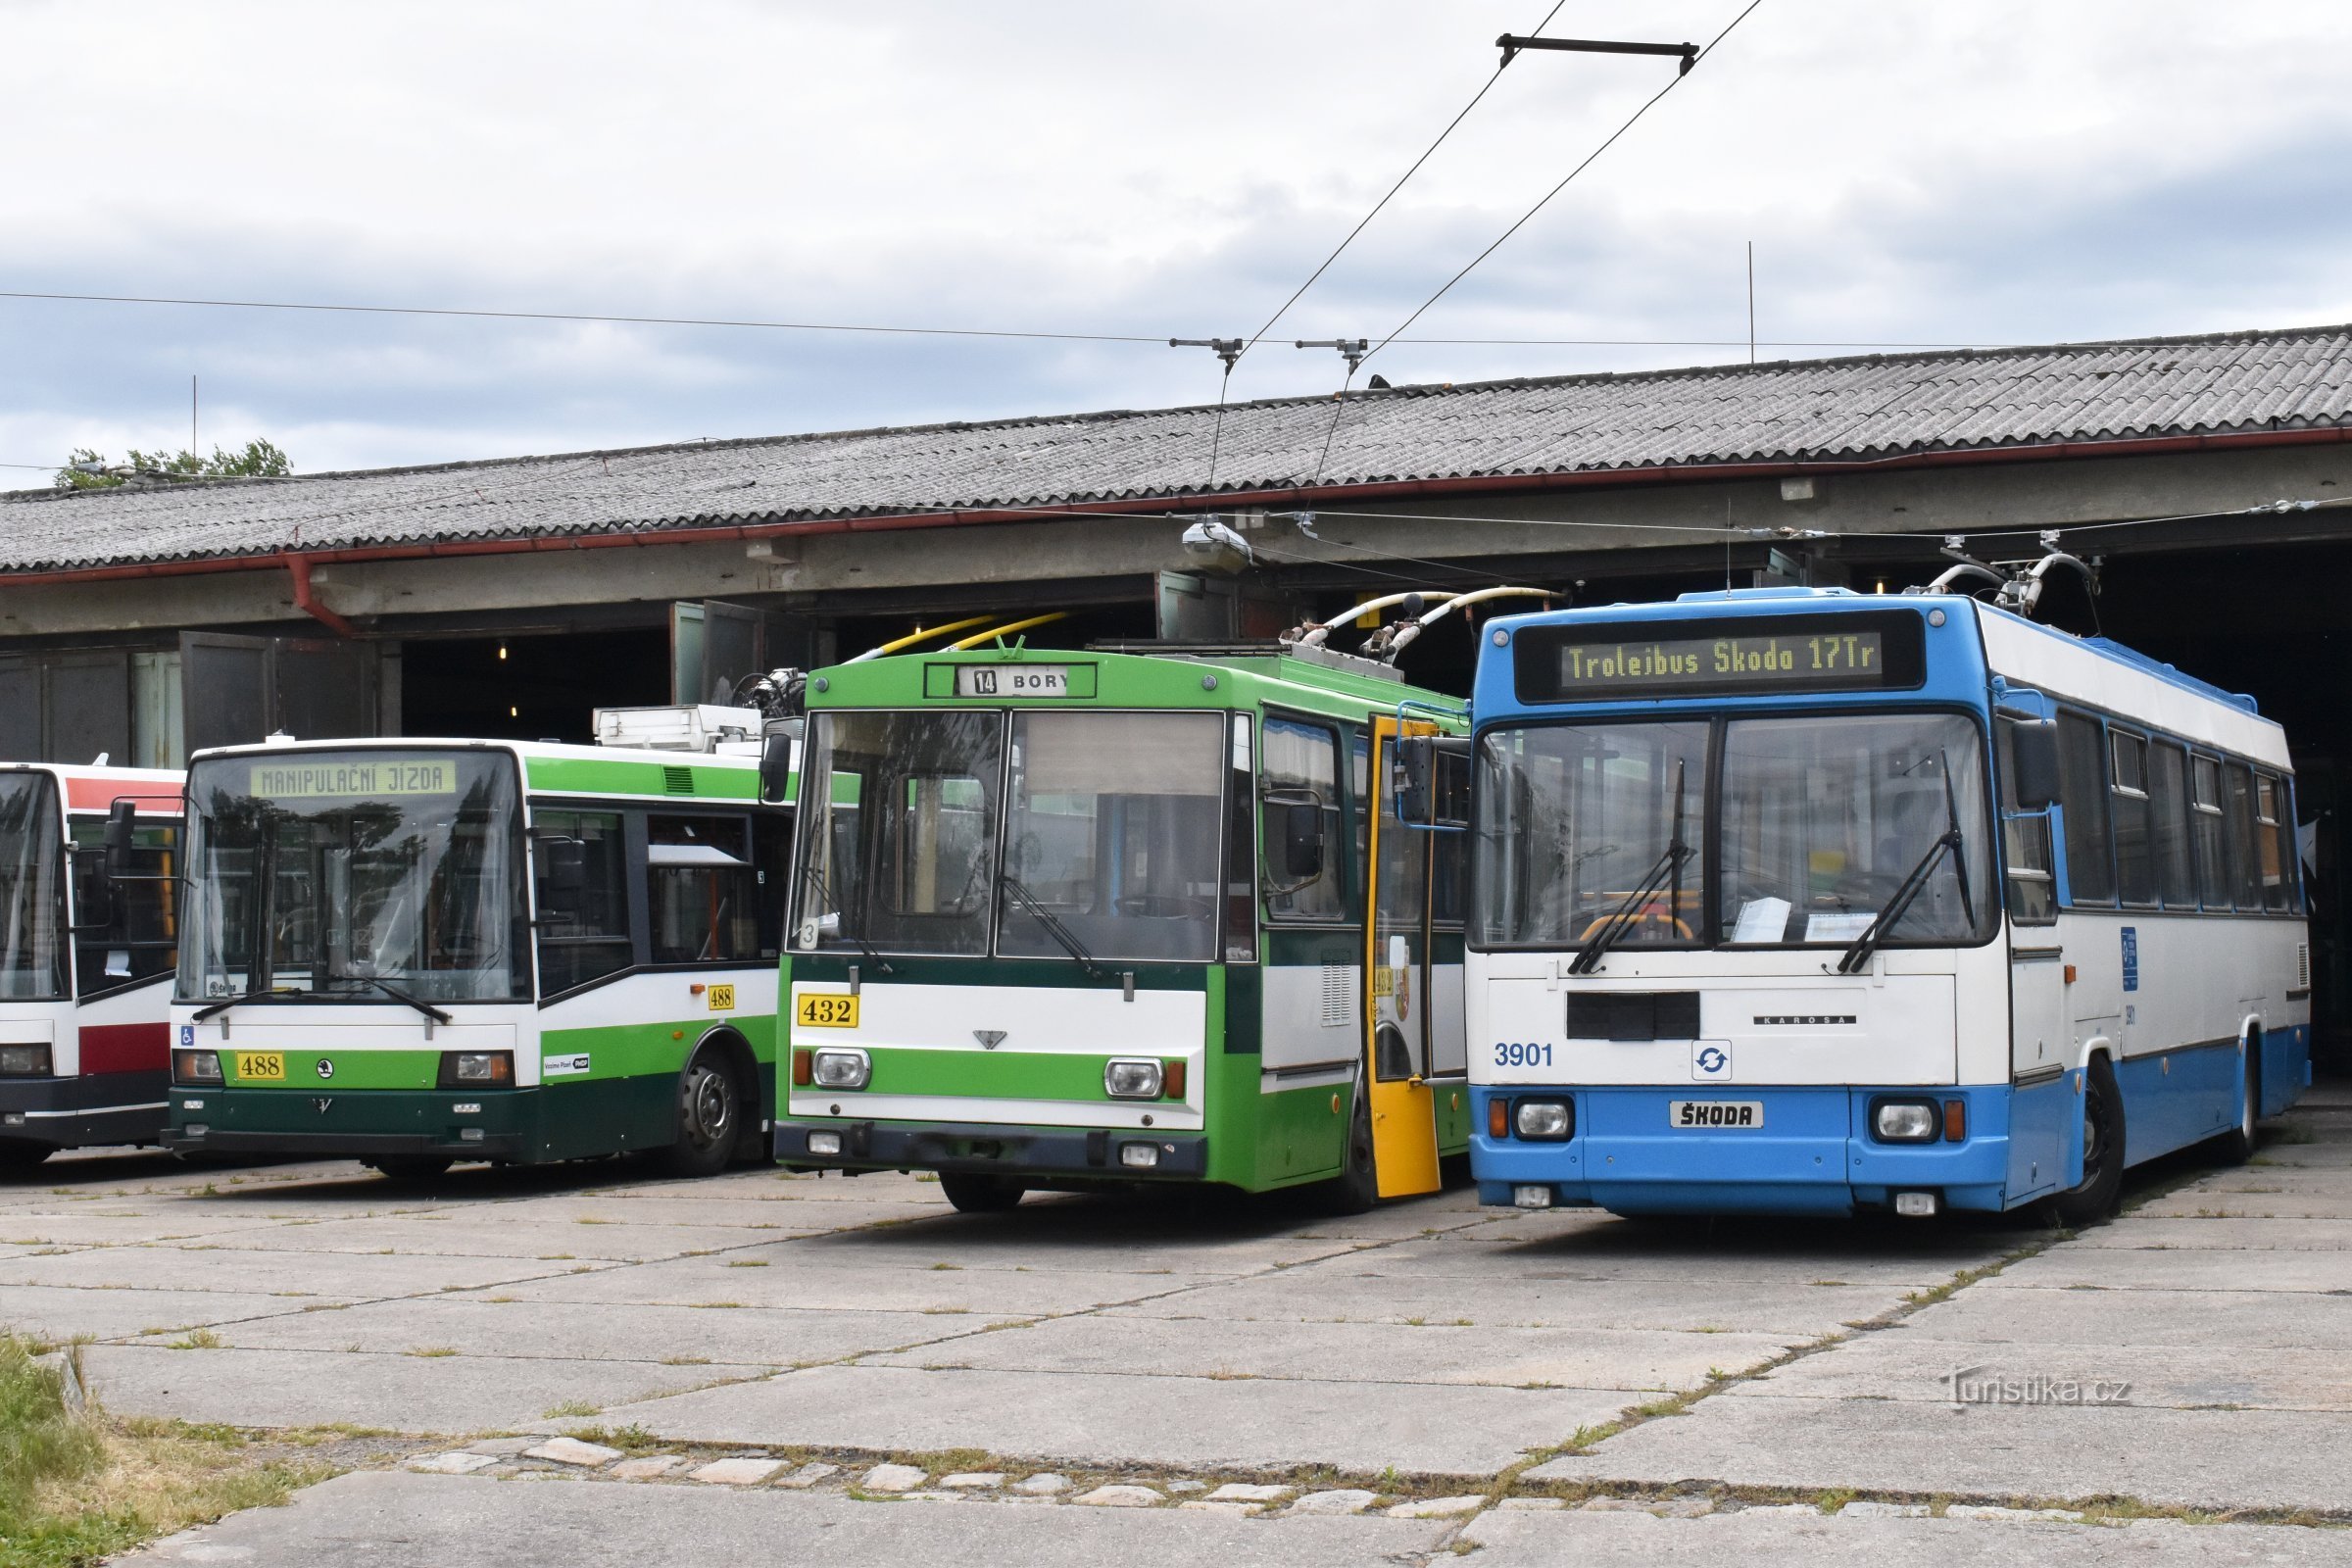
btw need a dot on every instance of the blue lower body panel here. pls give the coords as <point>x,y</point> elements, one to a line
<point>1810,1151</point>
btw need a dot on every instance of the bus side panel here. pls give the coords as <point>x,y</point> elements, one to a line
<point>2178,1099</point>
<point>614,1085</point>
<point>2044,1123</point>
<point>2285,1066</point>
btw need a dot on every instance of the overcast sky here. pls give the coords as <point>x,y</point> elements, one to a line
<point>2031,171</point>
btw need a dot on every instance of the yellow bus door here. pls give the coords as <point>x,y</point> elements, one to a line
<point>1397,976</point>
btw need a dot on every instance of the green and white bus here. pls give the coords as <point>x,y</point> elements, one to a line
<point>419,951</point>
<point>1068,919</point>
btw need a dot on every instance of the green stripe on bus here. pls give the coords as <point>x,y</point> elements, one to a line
<point>694,776</point>
<point>637,1051</point>
<point>987,1075</point>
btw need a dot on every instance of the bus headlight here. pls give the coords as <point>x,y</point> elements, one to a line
<point>1543,1120</point>
<point>24,1061</point>
<point>1904,1121</point>
<point>196,1066</point>
<point>1128,1078</point>
<point>842,1067</point>
<point>476,1069</point>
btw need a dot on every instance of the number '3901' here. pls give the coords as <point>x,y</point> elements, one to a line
<point>1511,1053</point>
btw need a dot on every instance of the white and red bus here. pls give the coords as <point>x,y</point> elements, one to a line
<point>89,878</point>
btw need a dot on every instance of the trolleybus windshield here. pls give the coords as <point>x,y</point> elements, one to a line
<point>32,955</point>
<point>324,872</point>
<point>1819,821</point>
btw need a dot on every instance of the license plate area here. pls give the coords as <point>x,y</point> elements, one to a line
<point>1714,1116</point>
<point>261,1066</point>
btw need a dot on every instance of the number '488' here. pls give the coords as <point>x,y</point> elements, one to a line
<point>1514,1055</point>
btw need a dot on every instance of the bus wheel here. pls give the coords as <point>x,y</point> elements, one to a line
<point>710,1118</point>
<point>980,1195</point>
<point>1357,1186</point>
<point>2094,1198</point>
<point>410,1167</point>
<point>20,1154</point>
<point>2238,1146</point>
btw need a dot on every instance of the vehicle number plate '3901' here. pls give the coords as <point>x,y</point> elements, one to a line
<point>1716,1113</point>
<point>817,1011</point>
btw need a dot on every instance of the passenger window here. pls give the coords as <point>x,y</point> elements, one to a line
<point>2168,808</point>
<point>1302,760</point>
<point>2245,862</point>
<point>583,935</point>
<point>1240,944</point>
<point>2134,858</point>
<point>699,891</point>
<point>2025,844</point>
<point>2212,840</point>
<point>2083,787</point>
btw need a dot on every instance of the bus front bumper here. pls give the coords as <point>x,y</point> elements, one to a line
<point>355,1124</point>
<point>95,1108</point>
<point>993,1148</point>
<point>1812,1152</point>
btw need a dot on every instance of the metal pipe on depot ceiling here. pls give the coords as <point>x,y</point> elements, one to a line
<point>1395,489</point>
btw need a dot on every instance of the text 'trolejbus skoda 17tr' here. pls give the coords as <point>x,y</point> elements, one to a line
<point>417,952</point>
<point>1063,919</point>
<point>1803,901</point>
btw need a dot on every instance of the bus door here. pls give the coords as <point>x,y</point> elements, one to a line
<point>1397,984</point>
<point>2042,1107</point>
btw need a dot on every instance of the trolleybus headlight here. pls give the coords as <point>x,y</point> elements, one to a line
<point>24,1061</point>
<point>1140,1156</point>
<point>842,1069</point>
<point>1543,1119</point>
<point>475,1069</point>
<point>1905,1121</point>
<point>196,1066</point>
<point>1127,1078</point>
<point>827,1144</point>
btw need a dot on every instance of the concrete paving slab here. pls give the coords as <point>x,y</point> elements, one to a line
<point>1914,1366</point>
<point>411,1394</point>
<point>505,1231</point>
<point>1335,1293</point>
<point>669,1205</point>
<point>570,1331</point>
<point>332,1275</point>
<point>2241,1320</point>
<point>1857,1255</point>
<point>1356,1352</point>
<point>2261,1180</point>
<point>103,1229</point>
<point>60,1312</point>
<point>2210,1203</point>
<point>1090,1418</point>
<point>1510,1538</point>
<point>2219,1460</point>
<point>2216,1235</point>
<point>392,1519</point>
<point>2303,1156</point>
<point>983,1240</point>
<point>796,1279</point>
<point>2142,1268</point>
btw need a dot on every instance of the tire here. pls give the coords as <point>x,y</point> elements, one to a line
<point>710,1118</point>
<point>981,1194</point>
<point>20,1155</point>
<point>410,1167</point>
<point>2237,1145</point>
<point>2095,1198</point>
<point>1357,1186</point>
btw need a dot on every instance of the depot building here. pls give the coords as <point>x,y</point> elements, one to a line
<point>2207,478</point>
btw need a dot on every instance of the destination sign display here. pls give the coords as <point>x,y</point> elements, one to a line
<point>345,778</point>
<point>1748,657</point>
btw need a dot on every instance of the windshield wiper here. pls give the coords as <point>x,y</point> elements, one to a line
<point>1913,885</point>
<point>260,994</point>
<point>431,1013</point>
<point>1667,870</point>
<point>1053,927</point>
<point>841,919</point>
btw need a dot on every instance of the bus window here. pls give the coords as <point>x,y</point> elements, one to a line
<point>592,941</point>
<point>2213,841</point>
<point>2025,845</point>
<point>2083,791</point>
<point>2128,791</point>
<point>1303,759</point>
<point>2278,853</point>
<point>142,940</point>
<point>1241,851</point>
<point>699,891</point>
<point>771,863</point>
<point>2168,805</point>
<point>2246,863</point>
<point>33,898</point>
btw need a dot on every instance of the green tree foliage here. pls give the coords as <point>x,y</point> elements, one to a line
<point>84,469</point>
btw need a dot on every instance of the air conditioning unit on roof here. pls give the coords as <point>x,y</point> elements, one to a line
<point>683,727</point>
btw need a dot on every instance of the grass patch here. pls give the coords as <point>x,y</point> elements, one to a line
<point>572,1407</point>
<point>76,1486</point>
<point>433,1353</point>
<point>196,1340</point>
<point>748,1262</point>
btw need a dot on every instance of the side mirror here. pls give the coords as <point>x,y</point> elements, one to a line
<point>1295,824</point>
<point>1431,782</point>
<point>93,889</point>
<point>775,768</point>
<point>121,826</point>
<point>563,864</point>
<point>2033,758</point>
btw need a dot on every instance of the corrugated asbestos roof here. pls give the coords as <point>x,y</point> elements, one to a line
<point>1820,410</point>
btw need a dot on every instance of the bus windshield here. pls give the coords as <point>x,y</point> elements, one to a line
<point>1821,823</point>
<point>320,872</point>
<point>1100,844</point>
<point>32,953</point>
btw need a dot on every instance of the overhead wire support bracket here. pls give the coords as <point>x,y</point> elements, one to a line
<point>1352,349</point>
<point>1228,349</point>
<point>1511,43</point>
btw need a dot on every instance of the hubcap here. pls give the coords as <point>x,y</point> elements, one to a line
<point>710,1105</point>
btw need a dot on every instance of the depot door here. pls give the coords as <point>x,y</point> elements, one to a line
<point>1396,982</point>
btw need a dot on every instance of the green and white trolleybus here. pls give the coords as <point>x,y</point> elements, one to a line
<point>417,952</point>
<point>1063,919</point>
